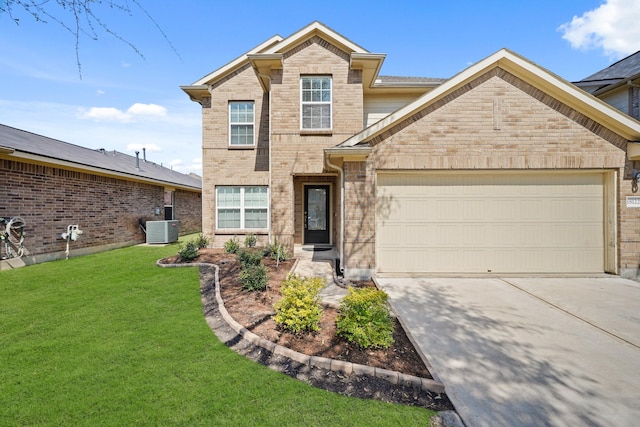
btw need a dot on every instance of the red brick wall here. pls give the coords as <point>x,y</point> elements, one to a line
<point>106,209</point>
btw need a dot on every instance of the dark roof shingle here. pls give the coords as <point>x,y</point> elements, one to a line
<point>109,161</point>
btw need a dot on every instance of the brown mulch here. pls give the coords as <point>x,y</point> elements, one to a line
<point>254,310</point>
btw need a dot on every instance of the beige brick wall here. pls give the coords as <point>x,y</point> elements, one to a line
<point>297,153</point>
<point>222,165</point>
<point>293,153</point>
<point>496,122</point>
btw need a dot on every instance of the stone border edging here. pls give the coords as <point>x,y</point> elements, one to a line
<point>347,368</point>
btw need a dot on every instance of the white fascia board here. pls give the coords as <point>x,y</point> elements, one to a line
<point>239,61</point>
<point>306,32</point>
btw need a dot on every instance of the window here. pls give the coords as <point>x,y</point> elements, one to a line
<point>241,124</point>
<point>315,100</point>
<point>242,208</point>
<point>168,205</point>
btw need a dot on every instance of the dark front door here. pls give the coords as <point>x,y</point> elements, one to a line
<point>316,214</point>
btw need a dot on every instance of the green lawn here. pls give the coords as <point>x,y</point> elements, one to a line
<point>112,339</point>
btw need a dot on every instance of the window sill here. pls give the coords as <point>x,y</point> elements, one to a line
<point>241,147</point>
<point>323,132</point>
<point>226,231</point>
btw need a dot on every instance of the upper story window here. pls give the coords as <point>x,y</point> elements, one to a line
<point>315,102</point>
<point>241,124</point>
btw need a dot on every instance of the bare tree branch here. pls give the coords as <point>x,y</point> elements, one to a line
<point>78,17</point>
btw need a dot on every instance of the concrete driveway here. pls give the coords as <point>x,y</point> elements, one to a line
<point>528,351</point>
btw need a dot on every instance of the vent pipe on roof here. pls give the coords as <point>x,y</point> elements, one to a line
<point>144,154</point>
<point>137,161</point>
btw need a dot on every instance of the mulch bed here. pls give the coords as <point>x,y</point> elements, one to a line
<point>254,310</point>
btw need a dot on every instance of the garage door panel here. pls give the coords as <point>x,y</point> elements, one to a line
<point>514,222</point>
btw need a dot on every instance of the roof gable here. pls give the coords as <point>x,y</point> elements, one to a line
<point>529,72</point>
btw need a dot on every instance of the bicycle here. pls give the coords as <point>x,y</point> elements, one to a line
<point>12,236</point>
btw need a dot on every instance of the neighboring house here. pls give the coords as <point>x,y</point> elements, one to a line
<point>617,85</point>
<point>53,184</point>
<point>502,169</point>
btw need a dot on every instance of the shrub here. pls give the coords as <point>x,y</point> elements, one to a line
<point>202,241</point>
<point>188,252</point>
<point>365,318</point>
<point>249,256</point>
<point>250,241</point>
<point>277,251</point>
<point>232,246</point>
<point>299,308</point>
<point>254,277</point>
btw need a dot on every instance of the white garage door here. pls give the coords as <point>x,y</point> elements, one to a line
<point>490,223</point>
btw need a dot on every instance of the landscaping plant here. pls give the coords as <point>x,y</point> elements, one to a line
<point>202,241</point>
<point>188,252</point>
<point>250,241</point>
<point>232,246</point>
<point>249,256</point>
<point>277,251</point>
<point>365,318</point>
<point>254,277</point>
<point>299,309</point>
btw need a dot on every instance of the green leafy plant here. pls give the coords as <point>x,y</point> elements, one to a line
<point>365,318</point>
<point>249,256</point>
<point>232,246</point>
<point>254,277</point>
<point>277,251</point>
<point>188,252</point>
<point>202,241</point>
<point>299,308</point>
<point>250,240</point>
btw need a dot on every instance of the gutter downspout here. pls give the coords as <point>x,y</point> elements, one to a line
<point>341,173</point>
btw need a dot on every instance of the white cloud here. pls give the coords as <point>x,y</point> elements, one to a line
<point>111,114</point>
<point>612,27</point>
<point>100,92</point>
<point>147,110</point>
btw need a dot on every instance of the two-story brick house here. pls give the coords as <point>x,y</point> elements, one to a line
<point>504,168</point>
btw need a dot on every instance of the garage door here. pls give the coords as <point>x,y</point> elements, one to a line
<point>490,223</point>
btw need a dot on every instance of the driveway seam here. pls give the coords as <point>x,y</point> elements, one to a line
<point>557,307</point>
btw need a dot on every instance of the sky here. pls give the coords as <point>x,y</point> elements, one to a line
<point>125,93</point>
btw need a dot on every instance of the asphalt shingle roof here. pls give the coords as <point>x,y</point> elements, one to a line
<point>625,68</point>
<point>109,161</point>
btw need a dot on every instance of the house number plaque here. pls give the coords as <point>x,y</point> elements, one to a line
<point>633,201</point>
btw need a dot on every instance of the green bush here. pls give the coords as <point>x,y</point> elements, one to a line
<point>202,241</point>
<point>249,256</point>
<point>365,318</point>
<point>232,246</point>
<point>254,277</point>
<point>277,251</point>
<point>188,252</point>
<point>299,308</point>
<point>250,241</point>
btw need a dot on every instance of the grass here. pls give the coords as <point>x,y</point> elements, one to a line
<point>112,339</point>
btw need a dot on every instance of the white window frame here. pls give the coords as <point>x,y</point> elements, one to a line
<point>243,208</point>
<point>316,103</point>
<point>242,123</point>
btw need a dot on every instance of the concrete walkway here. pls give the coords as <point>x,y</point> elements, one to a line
<point>320,263</point>
<point>528,352</point>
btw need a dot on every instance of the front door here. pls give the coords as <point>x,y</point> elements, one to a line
<point>316,214</point>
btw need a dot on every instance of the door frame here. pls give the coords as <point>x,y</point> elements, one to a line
<point>329,211</point>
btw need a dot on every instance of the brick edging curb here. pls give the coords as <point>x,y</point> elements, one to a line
<point>347,368</point>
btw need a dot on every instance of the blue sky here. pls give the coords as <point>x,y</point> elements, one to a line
<point>124,101</point>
